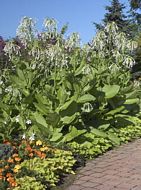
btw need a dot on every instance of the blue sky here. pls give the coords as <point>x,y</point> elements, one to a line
<point>78,13</point>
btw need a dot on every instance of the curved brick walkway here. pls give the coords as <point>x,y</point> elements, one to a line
<point>119,169</point>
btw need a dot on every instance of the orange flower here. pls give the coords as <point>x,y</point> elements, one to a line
<point>8,175</point>
<point>28,148</point>
<point>10,179</point>
<point>6,142</point>
<point>39,153</point>
<point>15,155</point>
<point>17,159</point>
<point>10,160</point>
<point>14,184</point>
<point>6,167</point>
<point>31,154</point>
<point>43,155</point>
<point>1,170</point>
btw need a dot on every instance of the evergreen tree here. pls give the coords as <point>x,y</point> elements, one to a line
<point>135,4</point>
<point>115,13</point>
<point>136,8</point>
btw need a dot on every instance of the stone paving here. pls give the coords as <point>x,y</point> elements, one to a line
<point>118,169</point>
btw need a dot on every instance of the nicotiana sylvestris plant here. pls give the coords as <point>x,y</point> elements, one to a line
<point>112,43</point>
<point>63,88</point>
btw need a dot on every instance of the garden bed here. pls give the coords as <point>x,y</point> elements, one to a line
<point>60,101</point>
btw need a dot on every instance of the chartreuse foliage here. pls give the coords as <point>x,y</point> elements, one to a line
<point>97,142</point>
<point>48,170</point>
<point>34,164</point>
<point>45,171</point>
<point>28,183</point>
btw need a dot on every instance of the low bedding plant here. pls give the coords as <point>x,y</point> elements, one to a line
<point>78,98</point>
<point>98,142</point>
<point>33,165</point>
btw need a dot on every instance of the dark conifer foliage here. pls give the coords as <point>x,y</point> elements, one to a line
<point>126,23</point>
<point>114,14</point>
<point>135,4</point>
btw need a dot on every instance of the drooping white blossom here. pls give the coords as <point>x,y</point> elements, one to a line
<point>32,137</point>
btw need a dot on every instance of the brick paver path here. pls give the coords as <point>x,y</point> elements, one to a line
<point>119,169</point>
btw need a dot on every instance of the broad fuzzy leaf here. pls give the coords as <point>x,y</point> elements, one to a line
<point>73,133</point>
<point>111,90</point>
<point>86,98</point>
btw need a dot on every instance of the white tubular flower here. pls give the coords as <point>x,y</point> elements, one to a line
<point>11,48</point>
<point>136,83</point>
<point>8,89</point>
<point>87,107</point>
<point>24,136</point>
<point>26,30</point>
<point>17,119</point>
<point>28,122</point>
<point>110,42</point>
<point>86,70</point>
<point>50,24</point>
<point>129,62</point>
<point>73,41</point>
<point>32,137</point>
<point>1,82</point>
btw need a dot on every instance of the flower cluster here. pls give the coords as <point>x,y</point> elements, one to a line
<point>21,151</point>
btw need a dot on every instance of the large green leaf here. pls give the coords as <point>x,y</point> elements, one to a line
<point>53,119</point>
<point>117,110</point>
<point>73,133</point>
<point>68,109</point>
<point>126,119</point>
<point>104,126</point>
<point>56,136</point>
<point>41,99</point>
<point>62,95</point>
<point>31,76</point>
<point>40,119</point>
<point>114,138</point>
<point>40,130</point>
<point>86,98</point>
<point>110,90</point>
<point>132,101</point>
<point>78,71</point>
<point>69,119</point>
<point>87,88</point>
<point>22,123</point>
<point>66,105</point>
<point>42,108</point>
<point>21,74</point>
<point>98,132</point>
<point>17,81</point>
